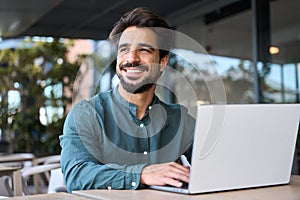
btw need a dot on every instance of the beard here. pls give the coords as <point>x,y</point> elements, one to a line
<point>143,85</point>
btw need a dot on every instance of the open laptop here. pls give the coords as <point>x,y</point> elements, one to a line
<point>242,146</point>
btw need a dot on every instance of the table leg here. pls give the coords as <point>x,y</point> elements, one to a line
<point>17,183</point>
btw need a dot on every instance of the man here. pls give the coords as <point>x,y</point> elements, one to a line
<point>127,138</point>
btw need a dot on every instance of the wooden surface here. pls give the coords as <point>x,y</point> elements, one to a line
<point>283,192</point>
<point>11,171</point>
<point>7,171</point>
<point>52,196</point>
<point>18,157</point>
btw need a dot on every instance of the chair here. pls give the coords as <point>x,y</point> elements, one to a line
<point>16,159</point>
<point>41,172</point>
<point>5,185</point>
<point>42,161</point>
<point>47,159</point>
<point>23,176</point>
<point>56,182</point>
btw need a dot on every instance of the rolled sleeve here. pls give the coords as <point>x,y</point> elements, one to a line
<point>81,167</point>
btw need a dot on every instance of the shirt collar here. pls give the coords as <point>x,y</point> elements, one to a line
<point>124,102</point>
<point>132,107</point>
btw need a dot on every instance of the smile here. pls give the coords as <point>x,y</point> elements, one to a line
<point>133,70</point>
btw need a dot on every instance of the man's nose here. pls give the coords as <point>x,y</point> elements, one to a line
<point>132,56</point>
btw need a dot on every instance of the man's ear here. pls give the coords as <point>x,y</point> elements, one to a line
<point>164,62</point>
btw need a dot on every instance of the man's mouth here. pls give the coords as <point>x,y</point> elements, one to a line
<point>133,70</point>
<point>133,73</point>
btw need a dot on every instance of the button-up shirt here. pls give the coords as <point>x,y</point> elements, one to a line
<point>105,145</point>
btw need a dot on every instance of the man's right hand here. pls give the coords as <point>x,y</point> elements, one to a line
<point>172,173</point>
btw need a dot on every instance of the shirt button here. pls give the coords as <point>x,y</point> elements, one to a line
<point>145,152</point>
<point>133,184</point>
<point>142,125</point>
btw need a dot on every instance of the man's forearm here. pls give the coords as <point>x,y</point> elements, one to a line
<point>97,176</point>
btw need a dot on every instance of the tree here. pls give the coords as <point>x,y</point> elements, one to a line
<point>39,74</point>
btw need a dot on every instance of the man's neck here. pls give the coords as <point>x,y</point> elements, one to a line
<point>141,100</point>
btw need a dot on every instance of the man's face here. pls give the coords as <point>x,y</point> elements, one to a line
<point>138,62</point>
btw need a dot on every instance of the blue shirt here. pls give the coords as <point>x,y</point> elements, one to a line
<point>105,145</point>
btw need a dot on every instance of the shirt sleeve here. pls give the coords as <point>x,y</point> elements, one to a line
<point>81,168</point>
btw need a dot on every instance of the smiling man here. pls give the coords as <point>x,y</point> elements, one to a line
<point>127,138</point>
<point>139,65</point>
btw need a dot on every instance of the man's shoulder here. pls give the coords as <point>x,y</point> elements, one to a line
<point>96,100</point>
<point>101,97</point>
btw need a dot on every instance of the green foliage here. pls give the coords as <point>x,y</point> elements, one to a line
<point>34,72</point>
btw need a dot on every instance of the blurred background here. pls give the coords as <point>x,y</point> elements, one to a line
<point>53,53</point>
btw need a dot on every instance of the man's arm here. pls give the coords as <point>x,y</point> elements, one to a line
<point>81,158</point>
<point>81,155</point>
<point>82,171</point>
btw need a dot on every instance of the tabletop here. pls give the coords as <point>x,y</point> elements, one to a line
<point>16,157</point>
<point>287,192</point>
<point>52,196</point>
<point>7,171</point>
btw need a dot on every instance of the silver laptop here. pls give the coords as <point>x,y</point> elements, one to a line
<point>242,146</point>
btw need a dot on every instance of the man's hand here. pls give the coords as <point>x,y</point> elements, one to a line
<point>165,174</point>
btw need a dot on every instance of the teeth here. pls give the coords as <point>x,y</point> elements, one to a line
<point>133,71</point>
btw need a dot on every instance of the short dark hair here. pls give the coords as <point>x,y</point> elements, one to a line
<point>143,17</point>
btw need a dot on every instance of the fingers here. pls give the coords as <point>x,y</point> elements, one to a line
<point>180,167</point>
<point>165,174</point>
<point>173,182</point>
<point>179,173</point>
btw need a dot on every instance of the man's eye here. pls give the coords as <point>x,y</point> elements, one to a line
<point>123,50</point>
<point>145,50</point>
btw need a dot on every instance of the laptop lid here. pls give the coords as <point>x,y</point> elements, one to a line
<point>241,146</point>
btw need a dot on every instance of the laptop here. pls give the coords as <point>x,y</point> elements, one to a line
<point>241,146</point>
